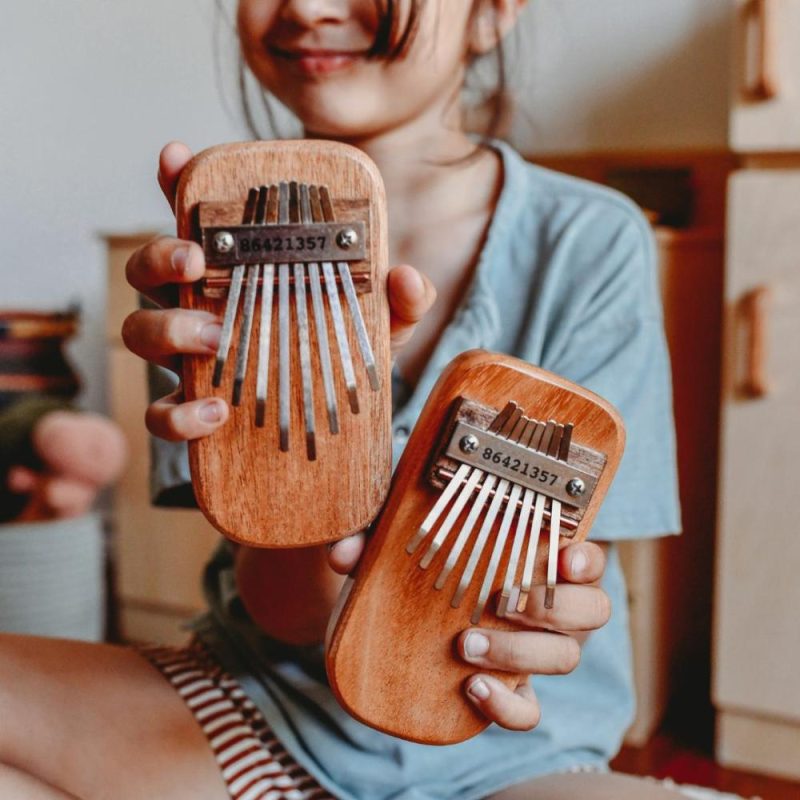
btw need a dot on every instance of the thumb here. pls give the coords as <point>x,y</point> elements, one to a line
<point>411,296</point>
<point>344,554</point>
<point>171,161</point>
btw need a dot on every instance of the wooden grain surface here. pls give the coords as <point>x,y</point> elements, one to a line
<point>391,659</point>
<point>250,490</point>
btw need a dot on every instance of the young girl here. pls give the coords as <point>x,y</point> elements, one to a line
<point>553,270</point>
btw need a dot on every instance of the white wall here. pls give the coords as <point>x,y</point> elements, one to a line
<point>91,89</point>
<point>624,75</point>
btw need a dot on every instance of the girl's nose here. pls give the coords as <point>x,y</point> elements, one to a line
<point>313,12</point>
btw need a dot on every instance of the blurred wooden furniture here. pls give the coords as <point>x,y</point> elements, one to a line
<point>670,580</point>
<point>756,644</point>
<point>159,554</point>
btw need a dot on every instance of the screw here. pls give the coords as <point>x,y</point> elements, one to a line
<point>224,242</point>
<point>347,238</point>
<point>576,487</point>
<point>469,443</point>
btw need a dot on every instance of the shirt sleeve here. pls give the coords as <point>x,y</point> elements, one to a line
<point>619,350</point>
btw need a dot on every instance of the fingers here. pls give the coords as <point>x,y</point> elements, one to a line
<point>533,652</point>
<point>171,161</point>
<point>411,295</point>
<point>170,419</point>
<point>162,335</point>
<point>156,267</point>
<point>517,710</point>
<point>56,497</point>
<point>343,555</point>
<point>83,446</point>
<point>575,608</point>
<point>582,562</point>
<point>21,480</point>
<point>66,497</point>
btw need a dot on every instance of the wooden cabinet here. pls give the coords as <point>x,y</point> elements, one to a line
<point>765,113</point>
<point>159,554</point>
<point>757,638</point>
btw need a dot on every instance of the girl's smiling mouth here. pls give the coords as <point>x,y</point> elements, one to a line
<point>311,62</point>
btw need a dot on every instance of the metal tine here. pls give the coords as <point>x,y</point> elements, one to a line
<point>443,501</point>
<point>339,329</point>
<point>516,549</point>
<point>497,552</point>
<point>480,542</point>
<point>521,434</point>
<point>463,535</point>
<point>547,436</point>
<point>501,418</point>
<point>304,342</point>
<point>534,435</point>
<point>559,445</point>
<point>553,447</point>
<point>265,323</point>
<point>530,556</point>
<point>284,387</point>
<point>451,518</point>
<point>362,337</point>
<point>511,423</point>
<point>248,312</point>
<point>512,429</point>
<point>320,322</point>
<point>232,304</point>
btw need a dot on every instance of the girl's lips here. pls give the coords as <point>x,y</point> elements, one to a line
<point>317,62</point>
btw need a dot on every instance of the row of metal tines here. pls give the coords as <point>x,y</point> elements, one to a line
<point>481,488</point>
<point>285,203</point>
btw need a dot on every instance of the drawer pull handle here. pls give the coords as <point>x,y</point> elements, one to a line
<point>754,308</point>
<point>764,84</point>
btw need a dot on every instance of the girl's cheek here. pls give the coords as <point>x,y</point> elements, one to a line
<point>254,18</point>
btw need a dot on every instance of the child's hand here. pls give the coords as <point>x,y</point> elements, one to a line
<point>80,453</point>
<point>163,336</point>
<point>551,647</point>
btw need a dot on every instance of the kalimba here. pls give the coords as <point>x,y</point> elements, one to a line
<point>294,236</point>
<point>507,464</point>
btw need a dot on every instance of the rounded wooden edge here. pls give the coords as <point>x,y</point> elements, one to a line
<point>206,158</point>
<point>268,543</point>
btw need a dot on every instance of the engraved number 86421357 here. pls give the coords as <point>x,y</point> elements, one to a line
<point>517,465</point>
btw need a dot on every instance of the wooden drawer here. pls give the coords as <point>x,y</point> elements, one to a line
<point>765,108</point>
<point>757,645</point>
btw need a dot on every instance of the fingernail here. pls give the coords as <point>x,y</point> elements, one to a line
<point>209,335</point>
<point>476,645</point>
<point>210,411</point>
<point>478,690</point>
<point>579,562</point>
<point>180,260</point>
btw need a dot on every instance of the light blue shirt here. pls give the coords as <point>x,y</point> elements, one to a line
<point>566,280</point>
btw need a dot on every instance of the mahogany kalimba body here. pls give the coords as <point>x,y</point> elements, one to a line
<point>294,235</point>
<point>506,464</point>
